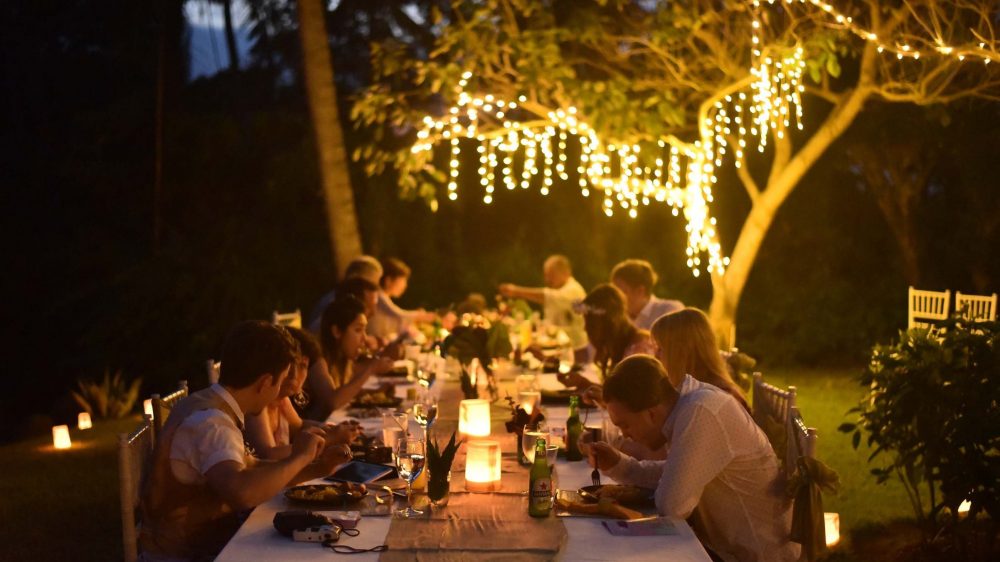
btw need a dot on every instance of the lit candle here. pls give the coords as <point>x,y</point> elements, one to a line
<point>474,418</point>
<point>482,466</point>
<point>147,406</point>
<point>832,528</point>
<point>964,507</point>
<point>60,437</point>
<point>528,400</point>
<point>83,420</point>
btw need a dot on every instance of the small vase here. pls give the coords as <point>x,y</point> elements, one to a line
<point>439,488</point>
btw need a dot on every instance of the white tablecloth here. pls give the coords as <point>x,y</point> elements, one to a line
<point>588,539</point>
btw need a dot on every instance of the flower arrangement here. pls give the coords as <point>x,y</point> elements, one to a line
<point>475,337</point>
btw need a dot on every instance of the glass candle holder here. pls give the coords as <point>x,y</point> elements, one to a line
<point>482,466</point>
<point>474,418</point>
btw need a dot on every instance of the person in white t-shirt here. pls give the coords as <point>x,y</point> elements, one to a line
<point>718,461</point>
<point>202,474</point>
<point>636,279</point>
<point>557,297</point>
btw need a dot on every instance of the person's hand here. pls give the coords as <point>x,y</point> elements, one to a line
<point>343,433</point>
<point>333,455</point>
<point>506,289</point>
<point>308,443</point>
<point>602,456</point>
<point>574,379</point>
<point>593,395</point>
<point>393,351</point>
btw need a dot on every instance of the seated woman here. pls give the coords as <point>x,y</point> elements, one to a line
<point>719,461</point>
<point>271,432</point>
<point>611,333</point>
<point>336,379</point>
<point>686,345</point>
<point>390,319</point>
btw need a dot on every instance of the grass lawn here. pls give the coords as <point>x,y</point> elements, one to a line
<point>63,505</point>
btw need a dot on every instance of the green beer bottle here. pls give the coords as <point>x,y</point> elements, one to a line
<point>574,428</point>
<point>540,488</point>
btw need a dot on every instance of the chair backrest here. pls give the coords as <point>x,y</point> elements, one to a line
<point>135,451</point>
<point>926,305</point>
<point>801,439</point>
<point>162,406</point>
<point>213,367</point>
<point>976,308</point>
<point>769,400</point>
<point>293,319</point>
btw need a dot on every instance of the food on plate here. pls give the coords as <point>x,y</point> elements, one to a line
<point>377,400</point>
<point>623,494</point>
<point>604,508</point>
<point>335,492</point>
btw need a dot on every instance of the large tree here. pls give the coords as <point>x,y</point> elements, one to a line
<point>663,97</point>
<point>345,239</point>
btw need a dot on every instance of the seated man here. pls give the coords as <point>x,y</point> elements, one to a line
<point>718,460</point>
<point>365,267</point>
<point>636,279</point>
<point>202,474</point>
<point>557,297</point>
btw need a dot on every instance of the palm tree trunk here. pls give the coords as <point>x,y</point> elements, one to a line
<point>227,18</point>
<point>345,239</point>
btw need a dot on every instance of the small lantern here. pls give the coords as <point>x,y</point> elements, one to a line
<point>482,466</point>
<point>474,418</point>
<point>964,507</point>
<point>147,407</point>
<point>83,420</point>
<point>832,528</point>
<point>528,400</point>
<point>60,437</point>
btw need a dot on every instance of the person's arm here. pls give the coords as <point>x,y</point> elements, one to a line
<point>321,390</point>
<point>244,487</point>
<point>698,454</point>
<point>288,411</point>
<point>533,294</point>
<point>260,437</point>
<point>624,469</point>
<point>348,392</point>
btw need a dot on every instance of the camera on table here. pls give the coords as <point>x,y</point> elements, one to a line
<point>324,533</point>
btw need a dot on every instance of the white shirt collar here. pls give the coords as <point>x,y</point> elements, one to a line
<point>221,391</point>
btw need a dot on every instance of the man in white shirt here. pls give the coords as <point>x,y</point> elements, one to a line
<point>557,297</point>
<point>636,279</point>
<point>718,461</point>
<point>203,475</point>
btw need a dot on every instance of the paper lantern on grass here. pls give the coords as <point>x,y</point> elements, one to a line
<point>147,407</point>
<point>474,418</point>
<point>832,528</point>
<point>83,421</point>
<point>482,466</point>
<point>60,437</point>
<point>529,400</point>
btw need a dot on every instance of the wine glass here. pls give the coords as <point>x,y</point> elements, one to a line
<point>532,432</point>
<point>425,411</point>
<point>410,460</point>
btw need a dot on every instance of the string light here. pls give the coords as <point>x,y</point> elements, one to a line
<point>679,174</point>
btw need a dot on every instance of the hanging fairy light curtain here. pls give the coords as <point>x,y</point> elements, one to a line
<point>670,171</point>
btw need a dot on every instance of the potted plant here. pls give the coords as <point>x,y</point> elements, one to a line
<point>519,418</point>
<point>439,464</point>
<point>476,338</point>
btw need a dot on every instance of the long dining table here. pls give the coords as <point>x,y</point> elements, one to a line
<point>509,532</point>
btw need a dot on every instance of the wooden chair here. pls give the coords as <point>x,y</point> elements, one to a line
<point>135,452</point>
<point>293,319</point>
<point>162,406</point>
<point>926,305</point>
<point>801,439</point>
<point>976,308</point>
<point>772,408</point>
<point>213,367</point>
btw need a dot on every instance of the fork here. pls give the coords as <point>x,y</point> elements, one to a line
<point>595,477</point>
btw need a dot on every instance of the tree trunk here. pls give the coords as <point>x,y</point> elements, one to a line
<point>227,18</point>
<point>345,240</point>
<point>784,177</point>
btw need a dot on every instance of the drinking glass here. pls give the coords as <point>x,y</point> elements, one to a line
<point>410,460</point>
<point>531,434</point>
<point>425,411</point>
<point>394,427</point>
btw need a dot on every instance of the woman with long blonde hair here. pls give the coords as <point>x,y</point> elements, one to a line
<point>686,345</point>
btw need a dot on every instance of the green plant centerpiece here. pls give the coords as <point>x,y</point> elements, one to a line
<point>519,417</point>
<point>439,464</point>
<point>112,398</point>
<point>476,338</point>
<point>934,410</point>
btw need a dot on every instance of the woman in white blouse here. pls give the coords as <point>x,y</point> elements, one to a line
<point>719,461</point>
